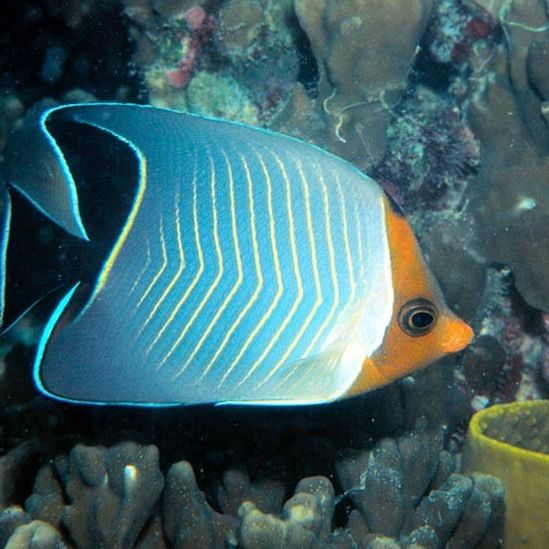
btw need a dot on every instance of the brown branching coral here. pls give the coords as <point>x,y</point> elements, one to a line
<point>407,489</point>
<point>402,491</point>
<point>305,520</point>
<point>236,488</point>
<point>12,465</point>
<point>36,535</point>
<point>189,521</point>
<point>100,497</point>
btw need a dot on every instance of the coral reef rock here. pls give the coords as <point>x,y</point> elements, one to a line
<point>356,91</point>
<point>508,113</point>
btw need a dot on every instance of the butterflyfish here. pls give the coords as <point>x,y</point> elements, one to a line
<point>251,268</point>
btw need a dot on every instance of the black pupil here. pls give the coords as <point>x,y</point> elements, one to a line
<point>421,319</point>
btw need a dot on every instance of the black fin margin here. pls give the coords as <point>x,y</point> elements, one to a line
<point>395,207</point>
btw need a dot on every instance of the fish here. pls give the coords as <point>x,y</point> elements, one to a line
<point>252,268</point>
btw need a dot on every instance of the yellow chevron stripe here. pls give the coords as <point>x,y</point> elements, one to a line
<point>331,254</point>
<point>295,260</point>
<point>346,240</point>
<point>333,275</point>
<point>196,278</point>
<point>350,305</point>
<point>162,267</point>
<point>259,274</point>
<point>352,282</point>
<point>316,276</point>
<point>239,279</point>
<point>180,268</point>
<point>107,267</point>
<point>278,276</point>
<point>144,269</point>
<point>218,277</point>
<point>284,323</point>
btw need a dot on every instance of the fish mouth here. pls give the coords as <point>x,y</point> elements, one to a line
<point>460,335</point>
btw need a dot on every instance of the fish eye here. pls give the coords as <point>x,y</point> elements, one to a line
<point>417,317</point>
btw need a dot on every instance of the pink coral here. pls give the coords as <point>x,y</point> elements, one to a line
<point>201,25</point>
<point>182,74</point>
<point>197,19</point>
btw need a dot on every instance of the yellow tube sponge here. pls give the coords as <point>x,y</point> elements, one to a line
<point>511,441</point>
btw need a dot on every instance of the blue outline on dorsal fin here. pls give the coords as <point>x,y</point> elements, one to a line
<point>78,116</point>
<point>36,167</point>
<point>5,220</point>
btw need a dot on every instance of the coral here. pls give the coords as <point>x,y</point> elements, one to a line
<point>10,519</point>
<point>268,496</point>
<point>406,489</point>
<point>101,497</point>
<point>545,367</point>
<point>432,154</point>
<point>351,112</point>
<point>169,46</point>
<point>512,442</point>
<point>305,520</point>
<point>455,31</point>
<point>12,466</point>
<point>18,531</point>
<point>242,51</point>
<point>240,24</point>
<point>200,25</point>
<point>507,358</point>
<point>518,337</point>
<point>111,493</point>
<point>189,521</point>
<point>36,535</point>
<point>47,500</point>
<point>508,94</point>
<point>149,12</point>
<point>402,491</point>
<point>257,44</point>
<point>484,364</point>
<point>211,94</point>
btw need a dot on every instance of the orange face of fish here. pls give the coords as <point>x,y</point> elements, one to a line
<point>422,328</point>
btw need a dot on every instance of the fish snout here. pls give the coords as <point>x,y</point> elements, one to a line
<point>459,335</point>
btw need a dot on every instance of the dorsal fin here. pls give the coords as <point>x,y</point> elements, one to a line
<point>41,212</point>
